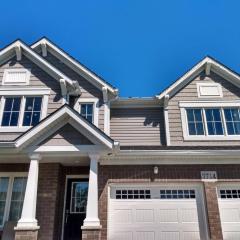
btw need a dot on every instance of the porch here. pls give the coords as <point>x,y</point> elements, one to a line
<point>49,193</point>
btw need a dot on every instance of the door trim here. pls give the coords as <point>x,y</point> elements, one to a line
<point>86,176</point>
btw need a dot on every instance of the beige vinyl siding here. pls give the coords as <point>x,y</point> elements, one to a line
<point>189,93</point>
<point>87,89</point>
<point>137,126</point>
<point>38,78</point>
<point>66,136</point>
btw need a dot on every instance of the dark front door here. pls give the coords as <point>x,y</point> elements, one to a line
<point>75,210</point>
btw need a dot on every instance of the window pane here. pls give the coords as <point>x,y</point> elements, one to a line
<point>6,119</point>
<point>214,121</point>
<point>199,127</point>
<point>32,111</point>
<point>232,117</point>
<point>18,192</point>
<point>14,119</point>
<point>83,109</point>
<point>29,104</point>
<point>37,104</point>
<point>16,104</point>
<point>79,197</point>
<point>190,115</point>
<point>89,109</point>
<point>4,182</point>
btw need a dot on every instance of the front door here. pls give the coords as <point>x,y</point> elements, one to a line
<point>75,210</point>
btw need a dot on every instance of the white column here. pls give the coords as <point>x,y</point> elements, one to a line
<point>28,217</point>
<point>92,220</point>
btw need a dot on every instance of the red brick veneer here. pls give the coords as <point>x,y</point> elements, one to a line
<point>167,173</point>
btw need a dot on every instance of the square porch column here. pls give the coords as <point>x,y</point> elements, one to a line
<point>91,225</point>
<point>27,226</point>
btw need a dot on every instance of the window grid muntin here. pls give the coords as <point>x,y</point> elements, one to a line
<point>213,121</point>
<point>21,110</point>
<point>195,122</point>
<point>19,202</point>
<point>177,194</point>
<point>232,121</point>
<point>12,111</point>
<point>32,111</point>
<point>87,115</point>
<point>229,193</point>
<point>133,194</point>
<point>11,177</point>
<point>74,198</point>
<point>223,118</point>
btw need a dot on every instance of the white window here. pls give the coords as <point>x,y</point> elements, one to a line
<point>18,113</point>
<point>12,191</point>
<point>16,76</point>
<point>88,108</point>
<point>207,122</point>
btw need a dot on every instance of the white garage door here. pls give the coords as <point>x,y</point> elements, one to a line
<point>229,207</point>
<point>166,212</point>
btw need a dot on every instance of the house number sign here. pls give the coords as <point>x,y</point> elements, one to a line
<point>209,175</point>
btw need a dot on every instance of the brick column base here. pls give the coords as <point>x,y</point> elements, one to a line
<point>91,234</point>
<point>26,234</point>
<point>215,228</point>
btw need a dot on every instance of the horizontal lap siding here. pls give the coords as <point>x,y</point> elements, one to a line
<point>136,127</point>
<point>189,93</point>
<point>87,89</point>
<point>39,78</point>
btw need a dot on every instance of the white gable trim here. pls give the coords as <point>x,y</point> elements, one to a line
<point>59,116</point>
<point>83,71</point>
<point>205,63</point>
<point>54,72</point>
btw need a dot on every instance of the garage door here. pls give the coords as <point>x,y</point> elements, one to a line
<point>166,212</point>
<point>229,207</point>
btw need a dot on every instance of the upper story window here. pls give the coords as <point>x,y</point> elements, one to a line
<point>21,111</point>
<point>16,76</point>
<point>86,110</point>
<point>213,121</point>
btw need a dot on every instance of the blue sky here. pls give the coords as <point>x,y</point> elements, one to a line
<point>139,46</point>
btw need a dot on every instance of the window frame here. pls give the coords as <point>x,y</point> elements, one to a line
<point>95,102</point>
<point>11,176</point>
<point>206,105</point>
<point>23,93</point>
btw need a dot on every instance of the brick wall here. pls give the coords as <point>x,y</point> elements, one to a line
<point>167,173</point>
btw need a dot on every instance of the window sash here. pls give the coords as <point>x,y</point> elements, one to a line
<point>21,112</point>
<point>223,122</point>
<point>88,115</point>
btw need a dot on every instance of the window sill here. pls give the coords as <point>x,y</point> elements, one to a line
<point>13,129</point>
<point>212,138</point>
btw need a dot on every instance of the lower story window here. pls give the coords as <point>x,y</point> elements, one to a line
<point>12,191</point>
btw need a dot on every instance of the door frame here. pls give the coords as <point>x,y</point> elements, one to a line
<point>83,176</point>
<point>195,184</point>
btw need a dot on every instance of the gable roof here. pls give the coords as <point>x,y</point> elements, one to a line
<point>63,115</point>
<point>71,62</point>
<point>207,62</point>
<point>10,50</point>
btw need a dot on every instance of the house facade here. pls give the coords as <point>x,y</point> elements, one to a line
<point>78,162</point>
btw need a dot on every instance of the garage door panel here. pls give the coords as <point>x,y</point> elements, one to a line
<point>156,214</point>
